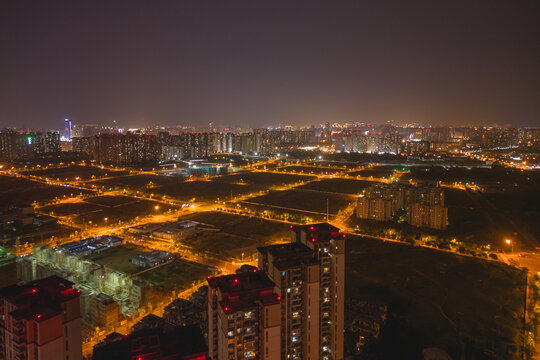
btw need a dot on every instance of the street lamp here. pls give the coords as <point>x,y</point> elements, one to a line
<point>106,219</point>
<point>509,242</point>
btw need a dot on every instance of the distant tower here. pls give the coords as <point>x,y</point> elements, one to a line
<point>67,126</point>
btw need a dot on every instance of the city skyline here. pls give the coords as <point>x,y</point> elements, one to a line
<point>256,65</point>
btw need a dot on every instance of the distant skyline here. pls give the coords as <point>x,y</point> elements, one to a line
<point>253,64</point>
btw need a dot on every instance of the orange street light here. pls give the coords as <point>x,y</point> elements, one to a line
<point>511,243</point>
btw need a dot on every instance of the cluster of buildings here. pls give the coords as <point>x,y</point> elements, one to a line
<point>168,232</point>
<point>15,219</point>
<point>152,258</point>
<point>290,307</point>
<point>19,145</point>
<point>136,146</point>
<point>91,245</point>
<point>107,294</point>
<point>424,205</point>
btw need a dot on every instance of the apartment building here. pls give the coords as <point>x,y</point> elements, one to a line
<point>244,317</point>
<point>309,276</point>
<point>426,208</point>
<point>40,320</point>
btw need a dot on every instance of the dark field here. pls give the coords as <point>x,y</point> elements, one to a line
<point>304,200</point>
<point>139,181</point>
<point>114,208</point>
<point>178,275</point>
<point>69,173</point>
<point>345,186</point>
<point>437,299</point>
<point>497,179</point>
<point>376,172</point>
<point>316,170</point>
<point>241,225</point>
<point>236,233</point>
<point>117,258</point>
<point>66,209</point>
<point>20,190</point>
<point>263,179</point>
<point>205,190</point>
<point>110,200</point>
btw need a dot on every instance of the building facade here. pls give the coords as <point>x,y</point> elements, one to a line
<point>40,320</point>
<point>244,317</point>
<point>309,274</point>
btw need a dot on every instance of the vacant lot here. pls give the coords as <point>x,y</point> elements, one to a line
<point>438,299</point>
<point>236,233</point>
<point>70,208</point>
<point>345,186</point>
<point>70,173</point>
<point>125,212</point>
<point>110,201</point>
<point>376,172</point>
<point>497,179</point>
<point>139,181</point>
<point>206,190</point>
<point>20,190</point>
<point>117,258</point>
<point>311,170</point>
<point>304,200</point>
<point>106,210</point>
<point>178,275</point>
<point>264,179</point>
<point>241,225</point>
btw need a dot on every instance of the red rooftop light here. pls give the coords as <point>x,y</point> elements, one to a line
<point>312,239</point>
<point>226,308</point>
<point>78,291</point>
<point>290,227</point>
<point>279,297</point>
<point>38,316</point>
<point>208,277</point>
<point>343,236</point>
<point>235,281</point>
<point>34,291</point>
<point>311,228</point>
<point>254,270</point>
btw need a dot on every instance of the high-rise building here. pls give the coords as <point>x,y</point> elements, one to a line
<point>67,128</point>
<point>380,201</point>
<point>40,320</point>
<point>244,317</point>
<point>426,208</point>
<point>309,276</point>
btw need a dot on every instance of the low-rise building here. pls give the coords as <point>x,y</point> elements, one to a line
<point>182,343</point>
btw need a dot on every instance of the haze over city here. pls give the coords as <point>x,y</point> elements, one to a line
<point>269,180</point>
<point>254,64</point>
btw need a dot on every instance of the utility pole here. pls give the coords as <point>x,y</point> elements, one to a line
<point>327,210</point>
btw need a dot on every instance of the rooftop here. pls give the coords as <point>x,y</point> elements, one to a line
<point>40,297</point>
<point>238,283</point>
<point>245,290</point>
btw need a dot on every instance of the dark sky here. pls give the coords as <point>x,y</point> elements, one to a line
<point>259,63</point>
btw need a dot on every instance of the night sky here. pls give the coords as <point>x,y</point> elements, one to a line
<point>261,63</point>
